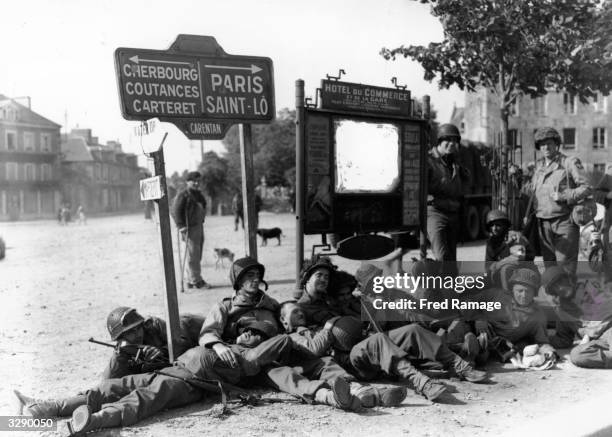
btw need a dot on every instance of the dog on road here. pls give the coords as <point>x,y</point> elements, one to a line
<point>221,254</point>
<point>270,233</point>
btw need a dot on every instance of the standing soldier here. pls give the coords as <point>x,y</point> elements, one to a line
<point>559,183</point>
<point>445,179</point>
<point>189,212</point>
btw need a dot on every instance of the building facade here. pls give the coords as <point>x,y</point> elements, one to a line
<point>29,163</point>
<point>101,178</point>
<point>585,128</point>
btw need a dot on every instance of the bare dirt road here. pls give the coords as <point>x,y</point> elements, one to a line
<point>57,285</point>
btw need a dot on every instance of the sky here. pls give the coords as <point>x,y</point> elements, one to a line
<point>60,53</point>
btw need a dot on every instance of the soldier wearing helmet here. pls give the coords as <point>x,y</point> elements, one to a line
<point>504,247</point>
<point>145,339</point>
<point>249,302</point>
<point>559,182</point>
<point>445,182</point>
<point>315,279</point>
<point>519,320</point>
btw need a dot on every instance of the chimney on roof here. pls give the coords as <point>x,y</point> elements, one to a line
<point>83,133</point>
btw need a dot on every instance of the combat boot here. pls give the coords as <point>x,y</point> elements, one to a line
<point>462,368</point>
<point>371,396</point>
<point>85,420</point>
<point>40,409</point>
<point>338,395</point>
<point>419,382</point>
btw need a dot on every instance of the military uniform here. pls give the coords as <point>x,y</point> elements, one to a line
<point>154,330</point>
<point>189,212</point>
<point>597,352</point>
<point>445,187</point>
<point>559,235</point>
<point>317,311</point>
<point>132,398</point>
<point>600,195</point>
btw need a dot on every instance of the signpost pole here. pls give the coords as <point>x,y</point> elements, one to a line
<point>172,314</point>
<point>424,178</point>
<point>248,192</point>
<point>299,178</point>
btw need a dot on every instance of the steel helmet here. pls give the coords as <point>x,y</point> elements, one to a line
<point>497,215</point>
<point>584,213</point>
<point>310,267</point>
<point>525,276</point>
<point>239,268</point>
<point>448,130</point>
<point>551,275</point>
<point>346,332</point>
<point>121,320</point>
<point>545,133</point>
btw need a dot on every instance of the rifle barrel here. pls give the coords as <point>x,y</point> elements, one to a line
<point>91,340</point>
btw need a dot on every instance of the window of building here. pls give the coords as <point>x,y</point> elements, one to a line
<point>90,172</point>
<point>540,106</point>
<point>514,107</point>
<point>569,103</point>
<point>599,138</point>
<point>11,171</point>
<point>600,103</point>
<point>11,140</point>
<point>600,168</point>
<point>30,172</point>
<point>569,138</point>
<point>512,137</point>
<point>45,170</point>
<point>28,141</point>
<point>98,171</point>
<point>45,142</point>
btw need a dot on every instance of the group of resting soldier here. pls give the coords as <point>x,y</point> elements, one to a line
<point>315,348</point>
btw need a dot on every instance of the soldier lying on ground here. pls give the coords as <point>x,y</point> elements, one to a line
<point>318,380</point>
<point>127,400</point>
<point>142,344</point>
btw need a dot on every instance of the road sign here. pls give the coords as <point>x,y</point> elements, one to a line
<point>151,135</point>
<point>172,85</point>
<point>196,129</point>
<point>346,96</point>
<point>150,188</point>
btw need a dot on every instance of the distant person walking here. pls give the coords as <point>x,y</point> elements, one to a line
<point>189,212</point>
<point>81,215</point>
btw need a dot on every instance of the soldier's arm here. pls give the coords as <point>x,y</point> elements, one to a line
<point>307,341</point>
<point>118,367</point>
<point>214,324</point>
<point>583,187</point>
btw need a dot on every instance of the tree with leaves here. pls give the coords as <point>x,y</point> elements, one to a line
<point>518,47</point>
<point>214,175</point>
<point>273,150</point>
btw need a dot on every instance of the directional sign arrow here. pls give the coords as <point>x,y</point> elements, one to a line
<point>135,59</point>
<point>253,68</point>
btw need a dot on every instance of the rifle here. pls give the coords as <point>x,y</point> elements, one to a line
<point>134,351</point>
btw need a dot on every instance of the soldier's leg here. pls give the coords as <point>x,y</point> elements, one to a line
<point>194,253</point>
<point>108,391</point>
<point>567,237</point>
<point>437,228</point>
<point>419,343</point>
<point>275,349</point>
<point>547,241</point>
<point>595,354</point>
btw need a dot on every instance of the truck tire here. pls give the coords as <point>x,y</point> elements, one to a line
<point>472,223</point>
<point>483,210</point>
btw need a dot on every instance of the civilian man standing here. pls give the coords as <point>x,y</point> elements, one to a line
<point>189,212</point>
